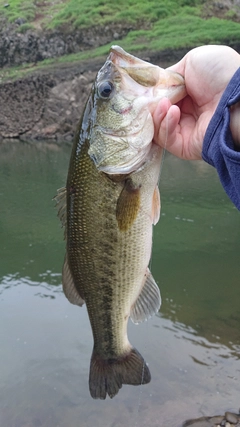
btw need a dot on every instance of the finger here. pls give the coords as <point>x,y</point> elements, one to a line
<point>159,114</point>
<point>167,132</point>
<point>161,110</point>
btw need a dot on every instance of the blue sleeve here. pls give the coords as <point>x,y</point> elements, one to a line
<point>218,144</point>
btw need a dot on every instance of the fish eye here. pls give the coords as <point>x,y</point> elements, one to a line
<point>105,89</point>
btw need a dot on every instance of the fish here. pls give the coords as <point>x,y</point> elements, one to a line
<point>108,208</point>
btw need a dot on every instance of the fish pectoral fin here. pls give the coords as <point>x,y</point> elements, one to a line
<point>128,205</point>
<point>148,302</point>
<point>69,287</point>
<point>61,204</point>
<point>156,204</point>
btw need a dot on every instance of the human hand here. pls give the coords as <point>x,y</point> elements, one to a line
<point>181,128</point>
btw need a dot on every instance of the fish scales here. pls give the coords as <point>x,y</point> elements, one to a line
<point>104,259</point>
<point>112,201</point>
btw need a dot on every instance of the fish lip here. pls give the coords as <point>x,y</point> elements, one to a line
<point>116,52</point>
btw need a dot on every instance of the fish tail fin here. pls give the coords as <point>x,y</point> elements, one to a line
<point>108,376</point>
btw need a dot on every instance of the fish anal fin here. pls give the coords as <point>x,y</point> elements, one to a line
<point>148,301</point>
<point>61,204</point>
<point>107,376</point>
<point>156,205</point>
<point>69,287</point>
<point>128,205</point>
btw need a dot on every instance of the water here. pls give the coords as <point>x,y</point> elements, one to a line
<point>192,347</point>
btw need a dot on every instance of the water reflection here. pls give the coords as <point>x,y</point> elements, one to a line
<point>48,279</point>
<point>181,331</point>
<point>192,347</point>
<point>45,352</point>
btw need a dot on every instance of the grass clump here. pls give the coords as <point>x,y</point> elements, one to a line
<point>18,9</point>
<point>183,31</point>
<point>97,12</point>
<point>25,27</point>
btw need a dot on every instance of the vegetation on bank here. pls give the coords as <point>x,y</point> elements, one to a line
<point>86,13</point>
<point>157,24</point>
<point>164,19</point>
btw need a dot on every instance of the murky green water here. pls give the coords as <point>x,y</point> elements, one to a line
<point>193,346</point>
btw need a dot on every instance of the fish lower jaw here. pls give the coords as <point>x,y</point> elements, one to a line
<point>128,167</point>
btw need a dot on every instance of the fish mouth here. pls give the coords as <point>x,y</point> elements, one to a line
<point>164,82</point>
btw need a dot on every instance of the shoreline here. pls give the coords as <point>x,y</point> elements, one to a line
<point>47,103</point>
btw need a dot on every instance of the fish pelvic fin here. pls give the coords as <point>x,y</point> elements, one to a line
<point>61,205</point>
<point>107,376</point>
<point>148,302</point>
<point>69,288</point>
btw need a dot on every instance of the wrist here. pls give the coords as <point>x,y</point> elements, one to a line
<point>235,124</point>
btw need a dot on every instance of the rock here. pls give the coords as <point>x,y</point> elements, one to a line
<point>231,418</point>
<point>33,46</point>
<point>50,130</point>
<point>204,422</point>
<point>20,21</point>
<point>224,9</point>
<point>21,105</point>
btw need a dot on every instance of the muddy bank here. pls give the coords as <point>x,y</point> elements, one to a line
<point>49,104</point>
<point>45,105</point>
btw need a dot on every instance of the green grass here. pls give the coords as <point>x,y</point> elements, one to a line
<point>189,31</point>
<point>86,13</point>
<point>97,12</point>
<point>160,24</point>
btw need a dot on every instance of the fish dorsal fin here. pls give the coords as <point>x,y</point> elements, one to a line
<point>61,204</point>
<point>69,287</point>
<point>148,302</point>
<point>156,204</point>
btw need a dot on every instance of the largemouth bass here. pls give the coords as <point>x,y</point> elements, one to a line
<point>108,208</point>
